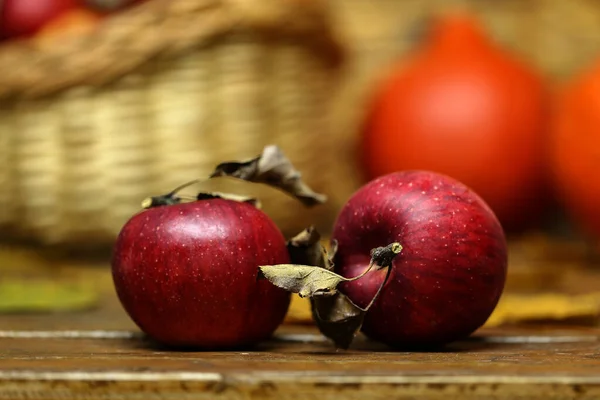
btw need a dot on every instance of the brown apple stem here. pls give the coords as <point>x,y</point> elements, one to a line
<point>387,276</point>
<point>184,185</point>
<point>380,256</point>
<point>383,257</point>
<point>362,274</point>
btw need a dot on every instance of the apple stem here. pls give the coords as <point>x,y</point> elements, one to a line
<point>362,274</point>
<point>380,256</point>
<point>387,275</point>
<point>383,257</point>
<point>183,186</point>
<point>169,198</point>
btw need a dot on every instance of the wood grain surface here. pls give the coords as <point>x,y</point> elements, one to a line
<point>100,354</point>
<point>528,362</point>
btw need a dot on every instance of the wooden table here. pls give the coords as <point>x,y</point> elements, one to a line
<point>99,354</point>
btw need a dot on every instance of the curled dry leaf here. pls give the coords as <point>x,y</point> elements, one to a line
<point>168,199</point>
<point>336,316</point>
<point>306,249</point>
<point>172,197</point>
<point>306,280</point>
<point>311,273</point>
<point>162,200</point>
<point>228,196</point>
<point>274,169</point>
<point>271,168</point>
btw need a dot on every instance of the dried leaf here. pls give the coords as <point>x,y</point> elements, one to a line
<point>172,198</point>
<point>337,318</point>
<point>306,249</point>
<point>307,238</point>
<point>228,196</point>
<point>162,200</point>
<point>306,280</point>
<point>335,308</point>
<point>274,169</point>
<point>27,295</point>
<point>168,199</point>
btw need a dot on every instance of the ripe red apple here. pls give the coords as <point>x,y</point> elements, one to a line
<point>187,273</point>
<point>451,272</point>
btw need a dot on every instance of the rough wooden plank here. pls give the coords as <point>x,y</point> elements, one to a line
<point>284,387</point>
<point>100,354</point>
<point>502,364</point>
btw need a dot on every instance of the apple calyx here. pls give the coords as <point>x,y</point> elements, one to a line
<point>311,275</point>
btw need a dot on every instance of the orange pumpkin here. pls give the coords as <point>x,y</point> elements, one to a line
<point>462,106</point>
<point>575,149</point>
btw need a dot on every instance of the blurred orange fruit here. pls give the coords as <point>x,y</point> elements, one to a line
<point>73,22</point>
<point>575,148</point>
<point>22,18</point>
<point>463,106</point>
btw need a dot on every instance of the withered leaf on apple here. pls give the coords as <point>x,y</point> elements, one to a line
<point>229,196</point>
<point>306,280</point>
<point>305,249</point>
<point>273,168</point>
<point>336,316</point>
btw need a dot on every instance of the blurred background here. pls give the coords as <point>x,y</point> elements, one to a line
<point>105,102</point>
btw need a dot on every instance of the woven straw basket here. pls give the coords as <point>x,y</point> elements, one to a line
<point>91,125</point>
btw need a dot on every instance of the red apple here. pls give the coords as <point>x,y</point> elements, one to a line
<point>187,273</point>
<point>451,272</point>
<point>26,17</point>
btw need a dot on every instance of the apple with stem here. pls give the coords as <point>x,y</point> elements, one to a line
<point>452,269</point>
<point>187,273</point>
<point>187,268</point>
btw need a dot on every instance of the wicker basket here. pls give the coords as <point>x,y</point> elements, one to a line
<point>91,125</point>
